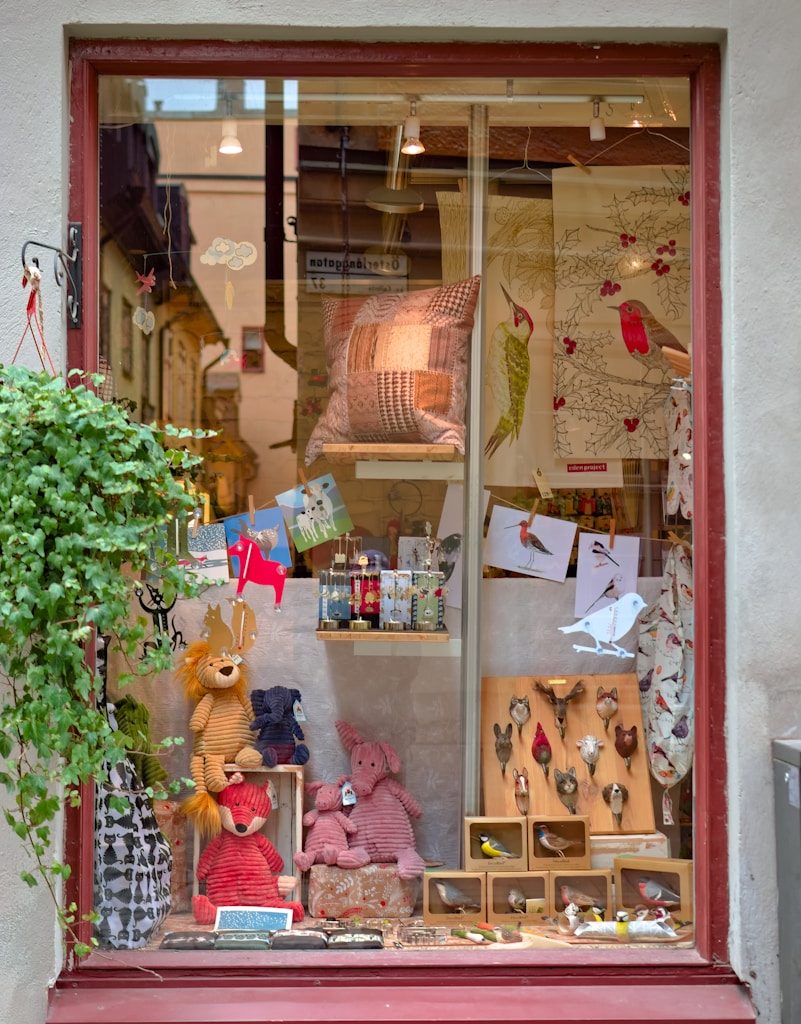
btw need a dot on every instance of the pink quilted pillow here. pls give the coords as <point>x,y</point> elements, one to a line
<point>397,367</point>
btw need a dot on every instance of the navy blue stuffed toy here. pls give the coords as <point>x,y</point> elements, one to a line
<point>277,726</point>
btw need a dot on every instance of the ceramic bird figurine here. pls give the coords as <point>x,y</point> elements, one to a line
<point>519,712</point>
<point>454,899</point>
<point>590,751</point>
<point>622,926</point>
<point>569,919</point>
<point>608,625</point>
<point>541,749</point>
<point>606,705</point>
<point>503,745</point>
<point>521,790</point>
<point>569,894</point>
<point>655,894</point>
<point>567,788</point>
<point>494,848</point>
<point>616,795</point>
<point>559,702</point>
<point>626,743</point>
<point>517,901</point>
<point>556,844</point>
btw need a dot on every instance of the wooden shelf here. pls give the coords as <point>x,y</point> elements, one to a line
<point>380,635</point>
<point>391,452</point>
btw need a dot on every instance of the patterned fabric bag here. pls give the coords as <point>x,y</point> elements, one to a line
<point>666,674</point>
<point>133,862</point>
<point>679,423</point>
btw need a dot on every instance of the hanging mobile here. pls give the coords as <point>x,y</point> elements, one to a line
<point>359,625</point>
<point>143,317</point>
<point>332,590</point>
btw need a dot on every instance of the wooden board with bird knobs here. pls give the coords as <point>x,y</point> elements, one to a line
<point>581,719</point>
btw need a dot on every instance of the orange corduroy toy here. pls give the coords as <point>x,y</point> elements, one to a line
<point>214,674</point>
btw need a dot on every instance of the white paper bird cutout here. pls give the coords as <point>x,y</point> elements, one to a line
<point>608,625</point>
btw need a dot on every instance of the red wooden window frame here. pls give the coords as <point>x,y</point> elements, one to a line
<point>700,967</point>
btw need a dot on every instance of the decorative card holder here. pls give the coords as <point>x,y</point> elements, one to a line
<point>518,897</point>
<point>396,600</point>
<point>454,898</point>
<point>506,833</point>
<point>655,882</point>
<point>427,603</point>
<point>561,843</point>
<point>586,889</point>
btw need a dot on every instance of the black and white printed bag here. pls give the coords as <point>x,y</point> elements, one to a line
<point>133,862</point>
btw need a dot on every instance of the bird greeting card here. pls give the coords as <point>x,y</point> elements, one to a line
<point>268,533</point>
<point>449,532</point>
<point>208,551</point>
<point>604,573</point>
<point>622,265</point>
<point>540,549</point>
<point>314,512</point>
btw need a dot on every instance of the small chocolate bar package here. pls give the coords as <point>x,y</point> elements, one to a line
<point>243,940</point>
<point>188,940</point>
<point>396,599</point>
<point>357,938</point>
<point>300,938</point>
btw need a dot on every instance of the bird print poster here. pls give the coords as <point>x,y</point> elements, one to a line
<point>541,549</point>
<point>449,534</point>
<point>604,573</point>
<point>518,299</point>
<point>622,266</point>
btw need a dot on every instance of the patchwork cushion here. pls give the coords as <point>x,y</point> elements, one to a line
<point>397,367</point>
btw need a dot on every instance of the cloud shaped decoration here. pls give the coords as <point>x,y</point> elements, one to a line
<point>231,254</point>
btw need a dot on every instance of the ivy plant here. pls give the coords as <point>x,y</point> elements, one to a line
<point>85,497</point>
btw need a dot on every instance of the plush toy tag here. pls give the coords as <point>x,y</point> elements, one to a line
<point>299,713</point>
<point>348,795</point>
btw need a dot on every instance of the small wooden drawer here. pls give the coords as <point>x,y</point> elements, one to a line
<point>574,828</point>
<point>675,875</point>
<point>512,832</point>
<point>535,889</point>
<point>597,885</point>
<point>469,884</point>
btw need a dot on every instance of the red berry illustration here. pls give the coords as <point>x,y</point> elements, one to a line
<point>570,345</point>
<point>631,424</point>
<point>558,403</point>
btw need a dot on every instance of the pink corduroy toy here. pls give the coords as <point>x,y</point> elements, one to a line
<point>329,831</point>
<point>384,808</point>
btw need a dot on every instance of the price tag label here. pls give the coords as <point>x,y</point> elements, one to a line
<point>297,709</point>
<point>348,795</point>
<point>542,484</point>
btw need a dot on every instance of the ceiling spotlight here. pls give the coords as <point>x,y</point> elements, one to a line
<point>229,143</point>
<point>597,129</point>
<point>412,146</point>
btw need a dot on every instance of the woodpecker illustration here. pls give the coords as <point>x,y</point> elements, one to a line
<point>509,368</point>
<point>530,541</point>
<point>644,336</point>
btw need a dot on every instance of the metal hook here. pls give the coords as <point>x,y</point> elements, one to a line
<point>64,264</point>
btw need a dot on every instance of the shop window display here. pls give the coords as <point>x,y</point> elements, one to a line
<point>338,798</point>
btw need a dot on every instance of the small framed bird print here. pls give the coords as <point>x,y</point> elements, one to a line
<point>540,548</point>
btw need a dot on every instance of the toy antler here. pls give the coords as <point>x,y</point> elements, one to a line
<point>577,691</point>
<point>349,735</point>
<point>546,690</point>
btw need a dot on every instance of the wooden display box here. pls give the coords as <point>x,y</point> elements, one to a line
<point>284,827</point>
<point>533,884</point>
<point>575,827</point>
<point>671,872</point>
<point>471,883</point>
<point>512,832</point>
<point>593,883</point>
<point>606,848</point>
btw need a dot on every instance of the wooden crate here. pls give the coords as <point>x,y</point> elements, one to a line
<point>284,827</point>
<point>676,874</point>
<point>582,718</point>
<point>471,883</point>
<point>592,883</point>
<point>571,826</point>
<point>533,884</point>
<point>605,848</point>
<point>512,832</point>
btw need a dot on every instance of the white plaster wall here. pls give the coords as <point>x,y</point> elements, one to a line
<point>761,221</point>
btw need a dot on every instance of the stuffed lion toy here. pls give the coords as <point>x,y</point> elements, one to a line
<point>220,725</point>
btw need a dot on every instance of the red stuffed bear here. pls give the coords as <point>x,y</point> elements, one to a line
<point>240,867</point>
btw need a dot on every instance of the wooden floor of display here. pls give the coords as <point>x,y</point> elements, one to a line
<point>545,936</point>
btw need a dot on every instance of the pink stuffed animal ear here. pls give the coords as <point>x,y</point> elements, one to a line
<point>313,787</point>
<point>393,761</point>
<point>349,735</point>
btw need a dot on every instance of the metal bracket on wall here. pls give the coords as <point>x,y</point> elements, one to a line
<point>67,266</point>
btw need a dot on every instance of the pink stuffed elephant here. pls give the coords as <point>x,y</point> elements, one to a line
<point>329,829</point>
<point>383,808</point>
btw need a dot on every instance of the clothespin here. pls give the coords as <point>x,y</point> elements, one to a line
<point>611,533</point>
<point>533,511</point>
<point>251,510</point>
<point>303,479</point>
<point>674,538</point>
<point>577,163</point>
